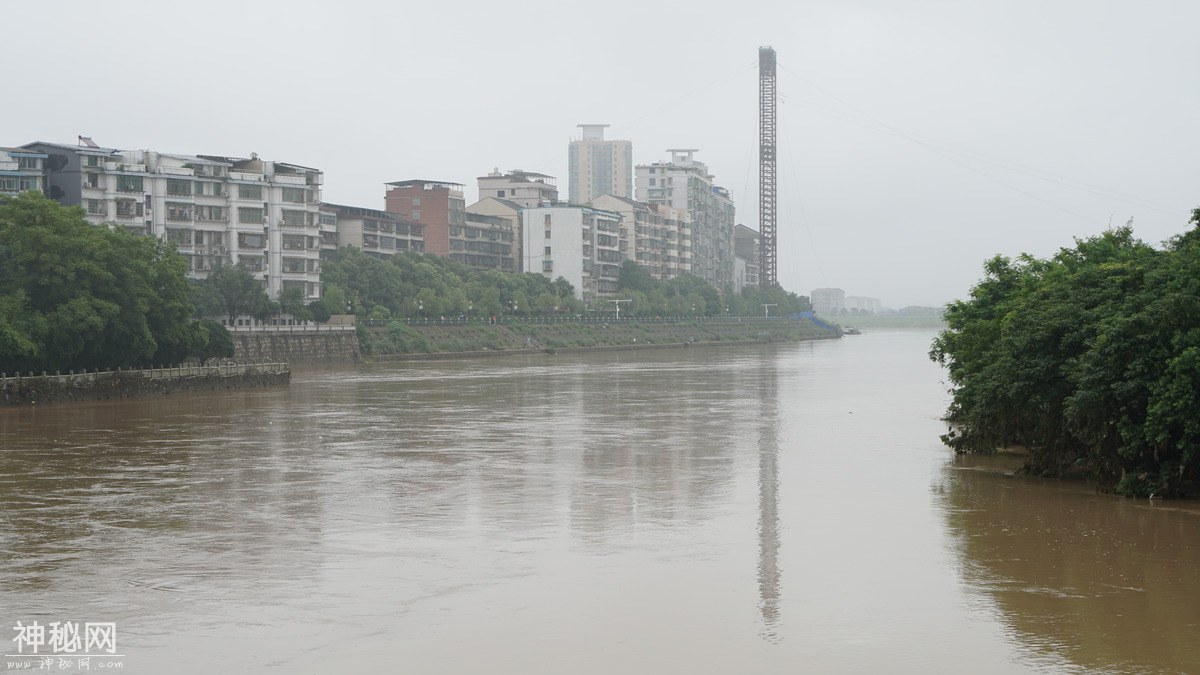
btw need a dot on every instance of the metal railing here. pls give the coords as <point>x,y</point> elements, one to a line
<point>311,328</point>
<point>160,373</point>
<point>588,319</point>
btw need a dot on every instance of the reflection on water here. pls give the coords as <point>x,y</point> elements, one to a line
<point>1108,583</point>
<point>761,509</point>
<point>768,502</point>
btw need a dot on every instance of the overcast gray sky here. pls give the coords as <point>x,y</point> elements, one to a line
<point>918,137</point>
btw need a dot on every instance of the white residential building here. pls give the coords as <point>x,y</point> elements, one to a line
<point>585,246</point>
<point>598,167</point>
<point>685,184</point>
<point>215,210</point>
<point>828,301</point>
<point>526,188</point>
<point>21,170</point>
<point>661,237</point>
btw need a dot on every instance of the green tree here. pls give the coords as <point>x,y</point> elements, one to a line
<point>239,293</point>
<point>81,296</point>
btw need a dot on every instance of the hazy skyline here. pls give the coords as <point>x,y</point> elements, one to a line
<point>917,139</point>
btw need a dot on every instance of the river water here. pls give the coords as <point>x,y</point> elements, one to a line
<point>708,510</point>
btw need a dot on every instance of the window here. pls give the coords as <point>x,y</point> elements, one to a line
<point>294,218</point>
<point>547,250</point>
<point>249,215</point>
<point>213,213</point>
<point>294,242</point>
<point>416,201</point>
<point>97,207</point>
<point>179,237</point>
<point>93,160</point>
<point>547,220</point>
<point>250,192</point>
<point>179,211</point>
<point>652,181</point>
<point>27,162</point>
<point>251,241</point>
<point>547,233</point>
<point>209,189</point>
<point>129,183</point>
<point>294,195</point>
<point>499,193</point>
<point>179,187</point>
<point>416,215</point>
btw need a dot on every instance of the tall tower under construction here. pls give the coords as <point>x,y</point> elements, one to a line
<point>768,242</point>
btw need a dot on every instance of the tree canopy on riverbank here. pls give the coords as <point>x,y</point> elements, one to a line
<point>1089,359</point>
<point>75,295</point>
<point>416,285</point>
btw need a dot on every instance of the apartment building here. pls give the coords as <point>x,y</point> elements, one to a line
<point>485,243</point>
<point>22,170</point>
<point>510,213</point>
<point>661,236</point>
<point>215,210</point>
<point>684,183</point>
<point>526,188</point>
<point>745,258</point>
<point>598,167</point>
<point>380,234</point>
<point>586,246</point>
<point>436,205</point>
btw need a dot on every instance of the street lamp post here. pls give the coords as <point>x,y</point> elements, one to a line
<point>617,304</point>
<point>767,309</point>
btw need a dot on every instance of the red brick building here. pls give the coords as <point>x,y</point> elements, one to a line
<point>438,205</point>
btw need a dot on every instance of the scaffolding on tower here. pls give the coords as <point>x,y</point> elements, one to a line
<point>768,241</point>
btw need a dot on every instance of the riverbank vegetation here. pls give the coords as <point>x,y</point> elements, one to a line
<point>412,285</point>
<point>75,296</point>
<point>1090,359</point>
<point>399,337</point>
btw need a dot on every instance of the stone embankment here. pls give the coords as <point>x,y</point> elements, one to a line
<point>41,389</point>
<point>296,344</point>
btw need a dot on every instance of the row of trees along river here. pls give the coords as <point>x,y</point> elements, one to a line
<point>1089,360</point>
<point>75,296</point>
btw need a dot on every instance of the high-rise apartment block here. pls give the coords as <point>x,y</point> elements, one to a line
<point>685,184</point>
<point>585,246</point>
<point>598,167</point>
<point>215,210</point>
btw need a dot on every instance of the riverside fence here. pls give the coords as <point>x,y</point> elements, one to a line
<point>31,388</point>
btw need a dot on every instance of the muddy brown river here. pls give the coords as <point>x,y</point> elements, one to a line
<point>708,510</point>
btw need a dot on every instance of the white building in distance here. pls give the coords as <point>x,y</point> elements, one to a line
<point>828,301</point>
<point>598,167</point>
<point>215,210</point>
<point>585,246</point>
<point>866,305</point>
